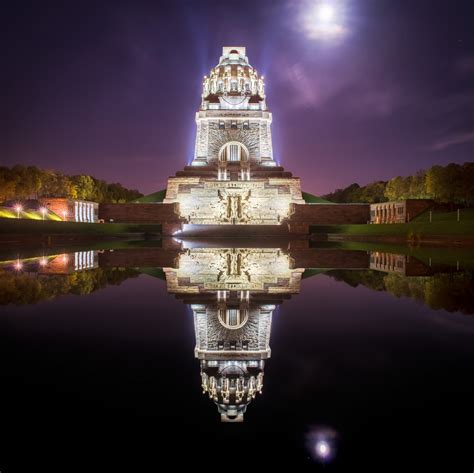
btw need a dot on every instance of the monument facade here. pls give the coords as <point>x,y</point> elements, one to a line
<point>233,178</point>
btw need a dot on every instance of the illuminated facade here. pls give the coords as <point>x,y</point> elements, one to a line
<point>233,178</point>
<point>72,210</point>
<point>233,293</point>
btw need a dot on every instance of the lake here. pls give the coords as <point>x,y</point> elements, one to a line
<point>237,353</point>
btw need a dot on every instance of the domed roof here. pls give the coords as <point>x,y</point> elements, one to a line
<point>233,75</point>
<point>232,385</point>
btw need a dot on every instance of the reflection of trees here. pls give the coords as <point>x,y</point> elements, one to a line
<point>453,292</point>
<point>31,288</point>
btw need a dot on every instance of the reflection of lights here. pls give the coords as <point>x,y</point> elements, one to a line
<point>321,443</point>
<point>43,262</point>
<point>18,265</point>
<point>64,214</point>
<point>65,259</point>
<point>176,232</point>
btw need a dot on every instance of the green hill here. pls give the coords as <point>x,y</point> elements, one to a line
<point>314,199</point>
<point>152,198</point>
<point>160,195</point>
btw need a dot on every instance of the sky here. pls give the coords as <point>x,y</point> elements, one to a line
<point>111,88</point>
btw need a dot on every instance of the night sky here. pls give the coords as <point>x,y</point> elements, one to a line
<point>111,88</point>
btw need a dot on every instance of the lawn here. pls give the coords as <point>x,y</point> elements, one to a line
<point>26,226</point>
<point>465,215</point>
<point>442,224</point>
<point>400,229</point>
<point>6,212</point>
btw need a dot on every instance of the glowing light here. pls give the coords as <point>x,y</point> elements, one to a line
<point>322,444</point>
<point>43,211</point>
<point>65,259</point>
<point>43,262</point>
<point>18,265</point>
<point>324,20</point>
<point>18,209</point>
<point>64,214</point>
<point>323,450</point>
<point>325,13</point>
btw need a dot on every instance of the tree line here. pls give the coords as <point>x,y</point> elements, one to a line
<point>31,288</point>
<point>453,292</point>
<point>31,182</point>
<point>453,183</point>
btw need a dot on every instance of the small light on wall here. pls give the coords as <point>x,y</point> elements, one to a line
<point>18,208</point>
<point>43,211</point>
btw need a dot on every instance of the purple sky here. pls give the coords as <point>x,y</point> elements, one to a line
<point>111,90</point>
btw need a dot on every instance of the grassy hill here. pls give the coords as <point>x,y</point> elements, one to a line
<point>151,198</point>
<point>314,199</point>
<point>160,195</point>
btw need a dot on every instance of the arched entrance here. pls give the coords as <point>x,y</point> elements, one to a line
<point>233,151</point>
<point>233,318</point>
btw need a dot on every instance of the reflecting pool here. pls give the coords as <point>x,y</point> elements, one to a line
<point>238,352</point>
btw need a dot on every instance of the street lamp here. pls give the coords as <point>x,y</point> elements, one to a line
<point>43,211</point>
<point>18,209</point>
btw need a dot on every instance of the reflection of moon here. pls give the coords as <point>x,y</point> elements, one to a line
<point>322,449</point>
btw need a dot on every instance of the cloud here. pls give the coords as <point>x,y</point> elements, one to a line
<point>452,140</point>
<point>344,84</point>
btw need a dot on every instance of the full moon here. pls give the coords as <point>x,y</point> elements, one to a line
<point>325,13</point>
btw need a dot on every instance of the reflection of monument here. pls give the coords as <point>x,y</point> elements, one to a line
<point>233,293</point>
<point>233,178</point>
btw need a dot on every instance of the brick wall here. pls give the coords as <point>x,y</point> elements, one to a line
<point>329,258</point>
<point>328,214</point>
<point>139,213</point>
<point>415,207</point>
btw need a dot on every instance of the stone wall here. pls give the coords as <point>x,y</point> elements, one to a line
<point>256,202</point>
<point>328,214</point>
<point>165,214</point>
<point>217,138</point>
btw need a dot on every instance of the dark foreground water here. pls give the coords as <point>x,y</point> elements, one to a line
<point>105,355</point>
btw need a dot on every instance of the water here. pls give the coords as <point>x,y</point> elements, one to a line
<point>370,363</point>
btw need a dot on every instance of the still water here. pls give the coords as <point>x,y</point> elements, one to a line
<point>237,353</point>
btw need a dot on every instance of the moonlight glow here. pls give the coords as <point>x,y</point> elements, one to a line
<point>322,449</point>
<point>323,20</point>
<point>325,13</point>
<point>322,444</point>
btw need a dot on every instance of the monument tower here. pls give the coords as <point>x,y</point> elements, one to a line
<point>233,178</point>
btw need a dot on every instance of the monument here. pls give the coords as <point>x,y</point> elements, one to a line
<point>233,178</point>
